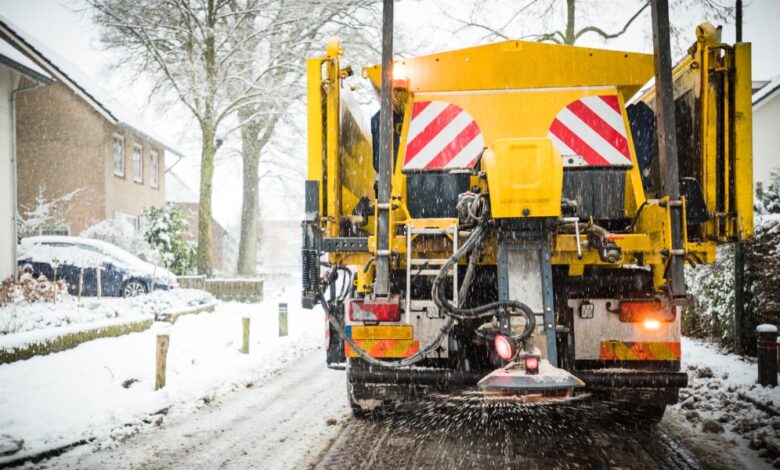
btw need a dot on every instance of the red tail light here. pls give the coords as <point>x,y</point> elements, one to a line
<point>532,365</point>
<point>505,347</point>
<point>641,311</point>
<point>373,311</point>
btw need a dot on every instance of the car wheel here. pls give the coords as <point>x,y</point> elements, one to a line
<point>133,287</point>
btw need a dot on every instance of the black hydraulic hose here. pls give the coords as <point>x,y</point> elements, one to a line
<point>487,310</point>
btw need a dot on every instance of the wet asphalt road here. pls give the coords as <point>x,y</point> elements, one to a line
<point>504,437</point>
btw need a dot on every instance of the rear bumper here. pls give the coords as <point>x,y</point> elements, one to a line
<point>457,378</point>
<point>634,378</point>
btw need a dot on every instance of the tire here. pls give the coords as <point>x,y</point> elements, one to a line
<point>133,288</point>
<point>358,392</point>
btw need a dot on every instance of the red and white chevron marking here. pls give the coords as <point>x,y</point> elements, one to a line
<point>441,136</point>
<point>591,131</point>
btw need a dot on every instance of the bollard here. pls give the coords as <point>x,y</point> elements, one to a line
<point>767,354</point>
<point>778,354</point>
<point>282,320</point>
<point>162,354</point>
<point>245,340</point>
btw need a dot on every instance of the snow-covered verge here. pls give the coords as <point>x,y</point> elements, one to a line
<point>718,403</point>
<point>46,317</point>
<point>99,387</point>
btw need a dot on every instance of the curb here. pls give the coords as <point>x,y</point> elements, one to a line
<point>71,340</point>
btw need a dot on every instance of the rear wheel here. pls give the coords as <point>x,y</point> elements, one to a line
<point>133,288</point>
<point>363,399</point>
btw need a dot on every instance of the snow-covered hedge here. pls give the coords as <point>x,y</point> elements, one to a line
<point>25,316</point>
<point>712,314</point>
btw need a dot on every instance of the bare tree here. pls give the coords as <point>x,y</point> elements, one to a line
<point>190,49</point>
<point>542,17</point>
<point>273,63</point>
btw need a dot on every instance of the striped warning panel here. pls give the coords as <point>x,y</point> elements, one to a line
<point>441,136</point>
<point>639,351</point>
<point>384,347</point>
<point>591,131</point>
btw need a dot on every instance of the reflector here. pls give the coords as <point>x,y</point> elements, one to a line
<point>505,347</point>
<point>374,311</point>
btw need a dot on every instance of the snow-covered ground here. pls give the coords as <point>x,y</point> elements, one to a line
<point>100,386</point>
<point>23,316</point>
<point>714,406</point>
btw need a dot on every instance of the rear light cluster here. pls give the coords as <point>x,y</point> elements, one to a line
<point>651,313</point>
<point>374,311</point>
<point>505,347</point>
<point>532,365</point>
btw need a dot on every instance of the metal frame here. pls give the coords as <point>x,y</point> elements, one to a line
<point>411,232</point>
<point>538,242</point>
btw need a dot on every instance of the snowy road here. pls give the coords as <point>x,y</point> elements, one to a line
<point>280,423</point>
<point>298,417</point>
<point>504,440</point>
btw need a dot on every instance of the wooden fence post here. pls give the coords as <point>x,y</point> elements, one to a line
<point>245,338</point>
<point>282,319</point>
<point>81,281</point>
<point>97,276</point>
<point>162,354</point>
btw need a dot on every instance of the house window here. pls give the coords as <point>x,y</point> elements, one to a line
<point>154,170</point>
<point>119,156</point>
<point>138,165</point>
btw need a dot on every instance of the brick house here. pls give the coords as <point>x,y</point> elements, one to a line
<point>73,136</point>
<point>14,67</point>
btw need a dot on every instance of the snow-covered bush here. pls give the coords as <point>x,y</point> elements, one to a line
<point>768,199</point>
<point>711,315</point>
<point>712,286</point>
<point>30,289</point>
<point>44,213</point>
<point>167,233</point>
<point>120,233</point>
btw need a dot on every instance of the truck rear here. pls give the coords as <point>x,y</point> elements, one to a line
<point>531,237</point>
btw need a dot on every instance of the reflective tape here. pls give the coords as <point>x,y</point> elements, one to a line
<point>639,351</point>
<point>384,347</point>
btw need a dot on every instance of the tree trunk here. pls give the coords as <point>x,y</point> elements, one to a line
<point>250,207</point>
<point>570,11</point>
<point>204,210</point>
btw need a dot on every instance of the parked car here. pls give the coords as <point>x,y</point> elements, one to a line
<point>122,274</point>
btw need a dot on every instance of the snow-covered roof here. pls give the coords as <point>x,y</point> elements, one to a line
<point>11,56</point>
<point>176,190</point>
<point>767,90</point>
<point>66,72</point>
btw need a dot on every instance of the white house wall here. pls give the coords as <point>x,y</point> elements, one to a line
<point>766,137</point>
<point>8,81</point>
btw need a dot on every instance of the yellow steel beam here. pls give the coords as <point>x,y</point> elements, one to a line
<point>743,141</point>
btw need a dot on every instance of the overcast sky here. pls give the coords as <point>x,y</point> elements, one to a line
<point>71,35</point>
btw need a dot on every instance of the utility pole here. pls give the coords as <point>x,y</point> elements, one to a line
<point>739,252</point>
<point>667,144</point>
<point>382,280</point>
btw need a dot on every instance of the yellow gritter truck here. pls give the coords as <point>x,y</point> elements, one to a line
<point>533,248</point>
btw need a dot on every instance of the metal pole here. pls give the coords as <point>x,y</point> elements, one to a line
<point>739,253</point>
<point>382,281</point>
<point>739,296</point>
<point>739,20</point>
<point>667,142</point>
